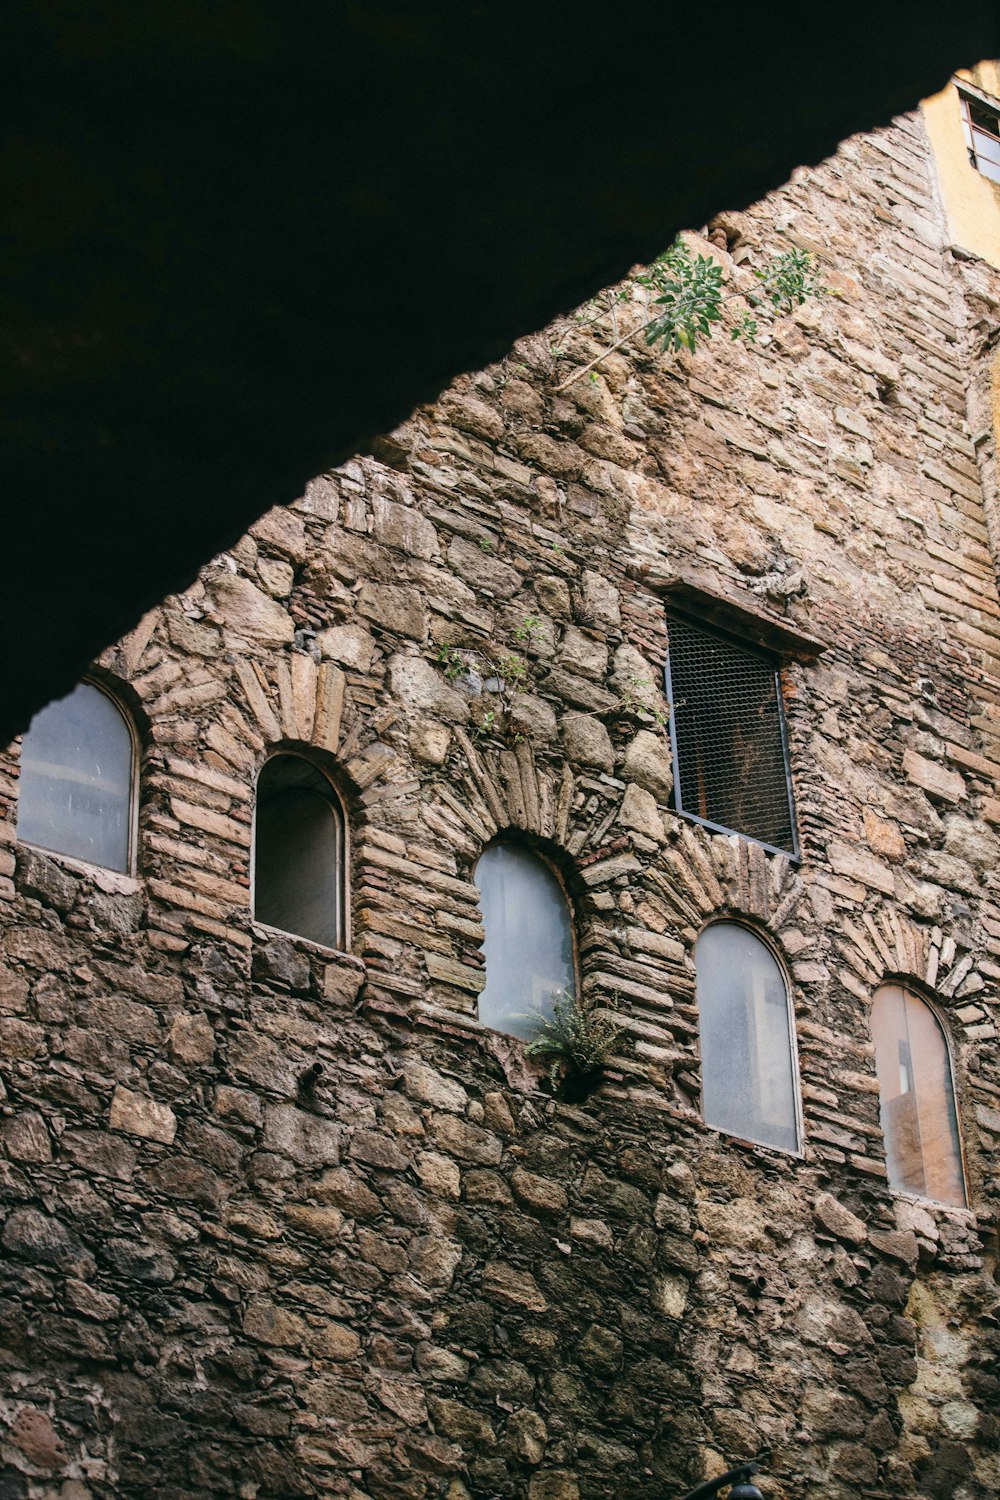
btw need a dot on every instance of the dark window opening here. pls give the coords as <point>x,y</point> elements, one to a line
<point>728,731</point>
<point>982,135</point>
<point>298,854</point>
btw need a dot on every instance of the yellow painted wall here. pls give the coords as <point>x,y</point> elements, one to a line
<point>971,201</point>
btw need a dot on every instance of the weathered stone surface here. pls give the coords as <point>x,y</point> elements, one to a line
<point>532,716</point>
<point>283,531</point>
<point>138,1114</point>
<point>647,763</point>
<point>945,785</point>
<point>900,1244</point>
<point>587,742</point>
<point>399,610</point>
<point>278,959</point>
<point>515,1288</point>
<point>639,813</point>
<point>100,1153</point>
<point>305,1139</point>
<point>403,527</point>
<point>42,1240</point>
<point>47,881</point>
<point>582,654</point>
<point>502,1292</point>
<point>25,1137</point>
<point>597,601</point>
<point>481,570</point>
<point>527,1435</point>
<point>467,1142</point>
<point>838,1220</point>
<point>538,1194</point>
<point>192,1038</point>
<point>350,645</point>
<point>249,614</point>
<point>430,1087</point>
<point>418,686</point>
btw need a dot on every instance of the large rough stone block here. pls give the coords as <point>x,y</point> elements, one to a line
<point>586,742</point>
<point>838,1220</point>
<point>598,601</point>
<point>139,1114</point>
<point>350,645</point>
<point>648,763</point>
<point>394,608</point>
<point>419,685</point>
<point>935,779</point>
<point>46,1241</point>
<point>247,612</point>
<point>307,1140</point>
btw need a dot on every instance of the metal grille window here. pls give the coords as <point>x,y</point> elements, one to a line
<point>728,730</point>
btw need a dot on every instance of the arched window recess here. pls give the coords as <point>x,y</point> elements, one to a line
<point>749,1067</point>
<point>917,1107</point>
<point>77,793</point>
<point>299,863</point>
<point>529,947</point>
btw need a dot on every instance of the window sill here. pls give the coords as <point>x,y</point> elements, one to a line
<point>261,933</point>
<point>111,882</point>
<point>734,833</point>
<point>964,1216</point>
<point>745,1143</point>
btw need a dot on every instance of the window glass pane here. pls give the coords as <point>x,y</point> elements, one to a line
<point>298,852</point>
<point>75,792</point>
<point>747,1071</point>
<point>987,147</point>
<point>916,1098</point>
<point>529,939</point>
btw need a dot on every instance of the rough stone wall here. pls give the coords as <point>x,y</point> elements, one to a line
<point>416,1273</point>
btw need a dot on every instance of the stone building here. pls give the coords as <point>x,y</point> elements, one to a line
<point>281,1215</point>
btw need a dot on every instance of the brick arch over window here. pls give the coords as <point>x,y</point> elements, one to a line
<point>886,943</point>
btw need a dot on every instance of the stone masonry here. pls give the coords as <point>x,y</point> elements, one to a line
<point>278,1221</point>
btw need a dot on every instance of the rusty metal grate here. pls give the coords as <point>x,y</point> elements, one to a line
<point>728,731</point>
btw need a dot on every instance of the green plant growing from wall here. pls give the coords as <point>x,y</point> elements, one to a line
<point>528,628</point>
<point>689,292</point>
<point>634,701</point>
<point>579,1039</point>
<point>500,674</point>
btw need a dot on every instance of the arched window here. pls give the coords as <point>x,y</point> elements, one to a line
<point>748,1083</point>
<point>298,852</point>
<point>77,779</point>
<point>529,938</point>
<point>916,1098</point>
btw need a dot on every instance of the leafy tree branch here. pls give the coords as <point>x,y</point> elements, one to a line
<point>690,298</point>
